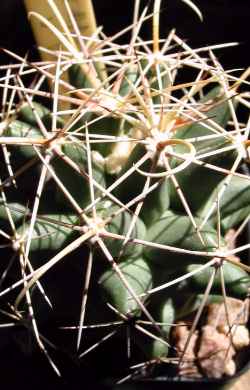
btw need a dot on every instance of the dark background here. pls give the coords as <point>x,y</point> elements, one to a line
<point>224,21</point>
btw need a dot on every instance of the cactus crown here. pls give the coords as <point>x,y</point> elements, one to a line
<point>135,185</point>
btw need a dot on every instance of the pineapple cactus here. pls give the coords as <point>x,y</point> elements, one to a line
<point>115,213</point>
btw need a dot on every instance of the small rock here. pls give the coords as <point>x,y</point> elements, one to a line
<point>239,334</point>
<point>180,336</point>
<point>237,310</point>
<point>215,353</point>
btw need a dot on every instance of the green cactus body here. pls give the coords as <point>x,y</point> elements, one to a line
<point>77,77</point>
<point>220,114</point>
<point>47,121</point>
<point>177,231</point>
<point>163,312</point>
<point>158,78</point>
<point>234,205</point>
<point>138,276</point>
<point>206,177</point>
<point>76,183</point>
<point>26,113</point>
<point>105,126</point>
<point>174,111</point>
<point>237,281</point>
<point>128,80</point>
<point>120,224</point>
<point>17,212</point>
<point>156,202</point>
<point>23,130</point>
<point>51,232</point>
<point>80,80</point>
<point>190,303</point>
<point>111,125</point>
<point>23,154</point>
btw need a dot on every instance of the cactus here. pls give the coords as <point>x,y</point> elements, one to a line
<point>136,186</point>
